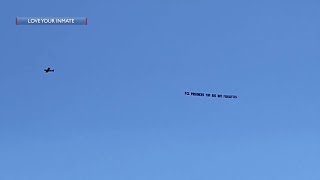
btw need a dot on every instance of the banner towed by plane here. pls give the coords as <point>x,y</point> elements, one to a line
<point>51,21</point>
<point>210,95</point>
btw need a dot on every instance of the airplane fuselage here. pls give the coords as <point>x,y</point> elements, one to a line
<point>49,70</point>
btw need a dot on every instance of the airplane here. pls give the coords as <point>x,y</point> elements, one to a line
<point>49,70</point>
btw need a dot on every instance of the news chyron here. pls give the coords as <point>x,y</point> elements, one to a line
<point>51,21</point>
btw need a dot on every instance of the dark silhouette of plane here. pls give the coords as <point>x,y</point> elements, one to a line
<point>49,70</point>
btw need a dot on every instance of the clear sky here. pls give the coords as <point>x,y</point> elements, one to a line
<point>115,107</point>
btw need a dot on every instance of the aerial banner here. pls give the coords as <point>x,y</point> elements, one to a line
<point>210,95</point>
<point>51,21</point>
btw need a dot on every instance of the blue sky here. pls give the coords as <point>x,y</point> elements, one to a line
<point>115,106</point>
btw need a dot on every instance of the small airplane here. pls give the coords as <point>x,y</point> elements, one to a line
<point>49,70</point>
